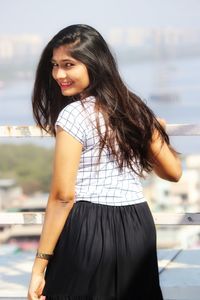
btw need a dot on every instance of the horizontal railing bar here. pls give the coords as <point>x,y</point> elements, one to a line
<point>22,131</point>
<point>35,131</point>
<point>183,129</point>
<point>176,218</point>
<point>10,218</point>
<point>17,218</point>
<point>17,297</point>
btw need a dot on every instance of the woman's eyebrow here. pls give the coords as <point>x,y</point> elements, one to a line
<point>63,60</point>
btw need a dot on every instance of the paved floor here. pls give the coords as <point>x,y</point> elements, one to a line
<point>179,274</point>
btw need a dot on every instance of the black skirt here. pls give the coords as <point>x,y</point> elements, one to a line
<point>105,253</point>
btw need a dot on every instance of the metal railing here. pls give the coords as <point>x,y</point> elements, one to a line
<point>37,218</point>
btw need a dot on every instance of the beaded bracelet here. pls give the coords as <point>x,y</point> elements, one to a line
<point>43,255</point>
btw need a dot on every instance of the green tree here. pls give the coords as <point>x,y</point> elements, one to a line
<point>30,165</point>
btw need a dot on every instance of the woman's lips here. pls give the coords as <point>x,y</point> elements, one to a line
<point>65,85</point>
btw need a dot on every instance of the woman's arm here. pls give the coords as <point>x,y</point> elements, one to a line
<point>166,163</point>
<point>61,199</point>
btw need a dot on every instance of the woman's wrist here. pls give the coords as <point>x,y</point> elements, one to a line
<point>41,261</point>
<point>42,255</point>
<point>39,266</point>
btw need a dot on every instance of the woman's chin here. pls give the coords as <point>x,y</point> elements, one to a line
<point>68,93</point>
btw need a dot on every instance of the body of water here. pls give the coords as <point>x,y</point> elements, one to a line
<point>170,88</point>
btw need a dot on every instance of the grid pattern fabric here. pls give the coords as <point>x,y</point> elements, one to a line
<point>102,182</point>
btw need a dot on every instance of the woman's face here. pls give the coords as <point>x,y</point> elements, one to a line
<point>70,74</point>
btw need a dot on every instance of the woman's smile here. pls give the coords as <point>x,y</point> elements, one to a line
<point>65,85</point>
<point>70,74</point>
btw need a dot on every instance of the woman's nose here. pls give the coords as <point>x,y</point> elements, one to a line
<point>61,73</point>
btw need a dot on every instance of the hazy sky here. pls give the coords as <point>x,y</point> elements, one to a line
<point>46,17</point>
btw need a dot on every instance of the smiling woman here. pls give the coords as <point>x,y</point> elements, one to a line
<point>70,74</point>
<point>98,230</point>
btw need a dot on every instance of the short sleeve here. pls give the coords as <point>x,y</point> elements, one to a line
<point>72,119</point>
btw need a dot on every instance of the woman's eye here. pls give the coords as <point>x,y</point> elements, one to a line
<point>68,65</point>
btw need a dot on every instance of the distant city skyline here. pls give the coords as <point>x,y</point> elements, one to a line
<point>47,17</point>
<point>146,40</point>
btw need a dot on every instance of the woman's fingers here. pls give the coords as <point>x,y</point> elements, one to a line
<point>162,122</point>
<point>36,287</point>
<point>34,296</point>
<point>40,288</point>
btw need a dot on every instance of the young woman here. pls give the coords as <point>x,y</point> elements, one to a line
<point>98,240</point>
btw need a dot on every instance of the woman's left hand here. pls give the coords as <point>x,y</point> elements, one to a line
<point>36,287</point>
<point>162,122</point>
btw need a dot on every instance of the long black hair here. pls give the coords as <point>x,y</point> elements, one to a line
<point>131,122</point>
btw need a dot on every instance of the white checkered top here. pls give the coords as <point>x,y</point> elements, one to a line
<point>101,183</point>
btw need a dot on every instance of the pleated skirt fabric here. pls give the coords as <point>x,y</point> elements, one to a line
<point>105,253</point>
